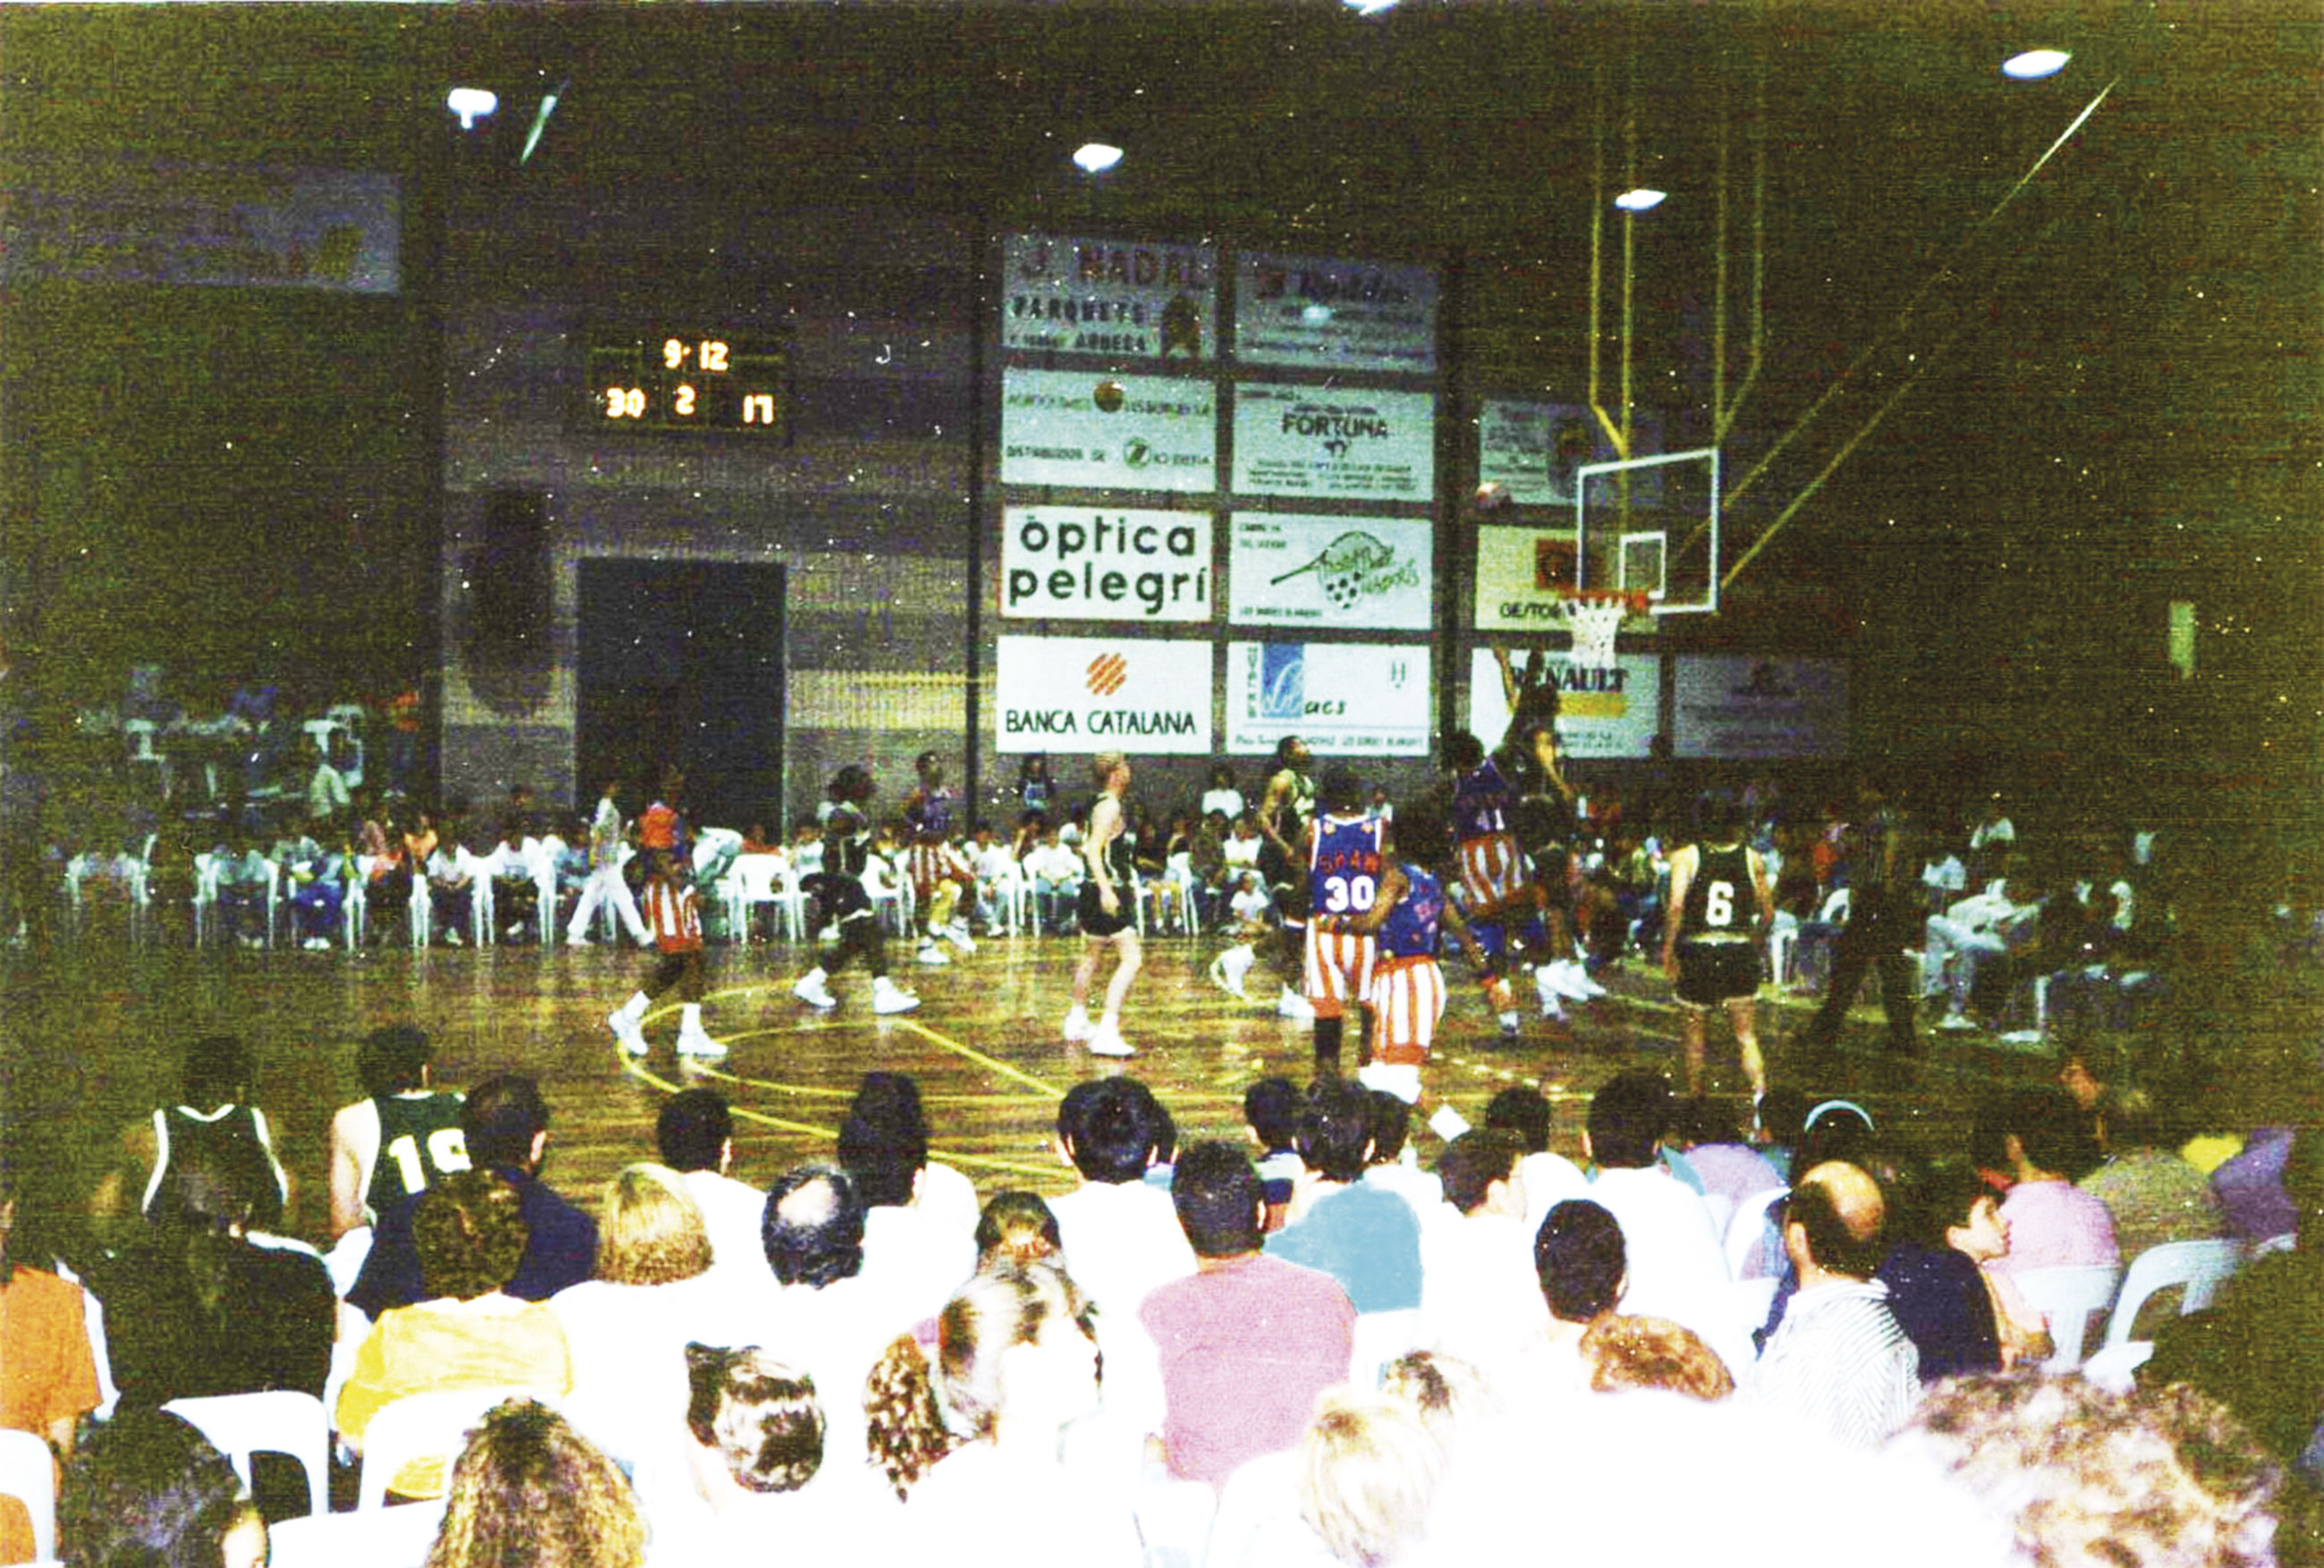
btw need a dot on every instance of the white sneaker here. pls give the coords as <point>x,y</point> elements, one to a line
<point>1294,1007</point>
<point>699,1046</point>
<point>1577,973</point>
<point>573,941</point>
<point>625,1029</point>
<point>811,990</point>
<point>931,953</point>
<point>1078,1025</point>
<point>1510,1024</point>
<point>451,937</point>
<point>1545,990</point>
<point>1106,1040</point>
<point>957,934</point>
<point>1230,968</point>
<point>1955,1022</point>
<point>1565,979</point>
<point>887,997</point>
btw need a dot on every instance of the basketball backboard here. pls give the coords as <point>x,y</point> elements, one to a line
<point>1652,524</point>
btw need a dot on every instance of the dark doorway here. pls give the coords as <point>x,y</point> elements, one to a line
<point>683,661</point>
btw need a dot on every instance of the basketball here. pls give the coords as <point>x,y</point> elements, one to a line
<point>1109,396</point>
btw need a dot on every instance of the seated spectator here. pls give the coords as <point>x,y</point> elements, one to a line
<point>504,1128</point>
<point>2155,1478</point>
<point>914,1252</point>
<point>529,1488</point>
<point>1368,1470</point>
<point>217,1081</point>
<point>627,1330</point>
<point>470,1235</point>
<point>1387,1167</point>
<point>1944,1222</point>
<point>150,1489</point>
<point>201,1305</point>
<point>1677,1259</point>
<point>452,873</point>
<point>401,1137</point>
<point>696,1137</point>
<point>1580,1270</point>
<point>893,1098</point>
<point>243,878</point>
<point>2052,1223</point>
<point>1367,1238</point>
<point>1783,1115</point>
<point>1270,1113</point>
<point>1729,1167</point>
<point>51,1380</point>
<point>2259,1347</point>
<point>1550,1178</point>
<point>1248,1342</point>
<point>1015,1362</point>
<point>1619,1352</point>
<point>1017,1227</point>
<point>1840,1363</point>
<point>1479,1289</point>
<point>2151,1195</point>
<point>316,870</point>
<point>1056,871</point>
<point>757,1426</point>
<point>1121,1237</point>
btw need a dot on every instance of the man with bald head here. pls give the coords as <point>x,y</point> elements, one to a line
<point>1840,1363</point>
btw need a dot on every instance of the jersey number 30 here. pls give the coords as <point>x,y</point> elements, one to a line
<point>1342,894</point>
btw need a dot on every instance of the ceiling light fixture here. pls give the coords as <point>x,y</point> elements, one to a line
<point>1641,199</point>
<point>471,104</point>
<point>2034,64</point>
<point>1369,7</point>
<point>1096,157</point>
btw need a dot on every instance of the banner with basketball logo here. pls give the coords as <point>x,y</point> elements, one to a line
<point>1519,571</point>
<point>1293,570</point>
<point>1334,441</point>
<point>1342,699</point>
<point>1142,696</point>
<point>1127,299</point>
<point>1107,432</point>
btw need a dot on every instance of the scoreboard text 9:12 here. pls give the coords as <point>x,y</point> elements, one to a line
<point>686,380</point>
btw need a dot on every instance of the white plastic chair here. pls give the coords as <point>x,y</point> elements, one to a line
<point>751,881</point>
<point>2067,1299</point>
<point>1747,1232</point>
<point>28,1474</point>
<point>396,1538</point>
<point>425,1427</point>
<point>2201,1266</point>
<point>2287,1243</point>
<point>277,1421</point>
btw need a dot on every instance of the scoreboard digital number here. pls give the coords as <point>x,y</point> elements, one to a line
<point>687,381</point>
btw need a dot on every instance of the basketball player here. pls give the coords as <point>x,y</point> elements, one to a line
<point>1410,913</point>
<point>605,884</point>
<point>1285,810</point>
<point>1344,861</point>
<point>1545,822</point>
<point>843,905</point>
<point>1108,918</point>
<point>674,918</point>
<point>1710,945</point>
<point>1495,881</point>
<point>402,1138</point>
<point>936,868</point>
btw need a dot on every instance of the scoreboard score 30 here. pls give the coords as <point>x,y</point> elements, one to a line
<point>686,380</point>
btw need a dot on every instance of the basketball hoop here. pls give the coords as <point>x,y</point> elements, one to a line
<point>1594,617</point>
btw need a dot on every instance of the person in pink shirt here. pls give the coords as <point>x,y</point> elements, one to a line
<point>2052,1223</point>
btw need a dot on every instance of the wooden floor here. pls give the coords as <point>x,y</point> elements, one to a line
<point>94,1028</point>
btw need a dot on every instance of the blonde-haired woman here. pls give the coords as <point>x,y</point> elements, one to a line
<point>629,1327</point>
<point>530,1490</point>
<point>974,1442</point>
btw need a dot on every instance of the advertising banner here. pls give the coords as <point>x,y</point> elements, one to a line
<point>1131,432</point>
<point>128,222</point>
<point>1127,299</point>
<point>1335,315</point>
<point>1335,442</point>
<point>1365,698</point>
<point>1739,707</point>
<point>1141,695</point>
<point>1330,571</point>
<point>1087,563</point>
<point>1533,449</point>
<point>1518,572</point>
<point>1609,711</point>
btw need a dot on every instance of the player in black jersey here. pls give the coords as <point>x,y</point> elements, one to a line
<point>1284,813</point>
<point>1108,912</point>
<point>843,905</point>
<point>1710,945</point>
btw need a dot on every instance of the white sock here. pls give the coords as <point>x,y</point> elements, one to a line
<point>689,1017</point>
<point>635,1008</point>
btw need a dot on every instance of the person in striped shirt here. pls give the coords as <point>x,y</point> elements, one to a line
<point>674,918</point>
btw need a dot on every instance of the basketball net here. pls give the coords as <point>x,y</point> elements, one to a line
<point>1594,617</point>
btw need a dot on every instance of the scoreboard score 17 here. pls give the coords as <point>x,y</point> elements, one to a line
<point>686,380</point>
